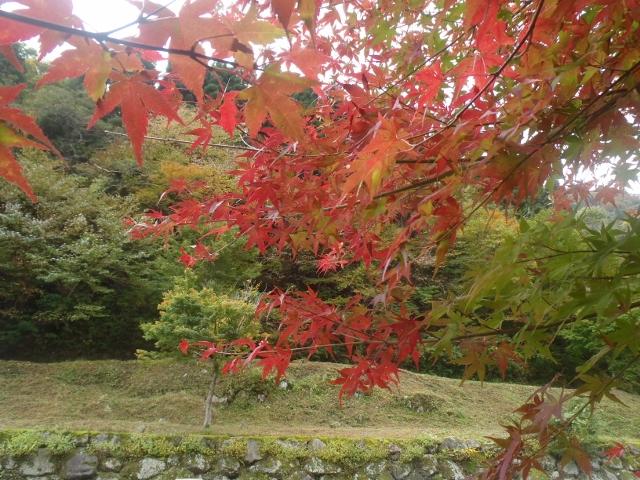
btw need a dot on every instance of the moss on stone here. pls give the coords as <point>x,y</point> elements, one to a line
<point>20,443</point>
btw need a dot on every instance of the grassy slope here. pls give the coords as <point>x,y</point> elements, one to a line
<point>166,397</point>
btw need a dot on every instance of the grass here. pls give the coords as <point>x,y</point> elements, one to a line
<point>166,397</point>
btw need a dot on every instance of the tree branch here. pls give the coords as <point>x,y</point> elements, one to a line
<point>187,142</point>
<point>101,37</point>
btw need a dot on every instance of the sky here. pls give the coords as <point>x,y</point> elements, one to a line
<point>105,15</point>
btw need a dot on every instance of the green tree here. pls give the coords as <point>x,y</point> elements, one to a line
<point>63,111</point>
<point>74,282</point>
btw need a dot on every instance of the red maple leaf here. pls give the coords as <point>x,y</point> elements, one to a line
<point>137,99</point>
<point>184,346</point>
<point>616,451</point>
<point>59,12</point>
<point>89,59</point>
<point>229,113</point>
<point>14,126</point>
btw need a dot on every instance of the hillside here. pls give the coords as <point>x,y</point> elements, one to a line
<point>167,396</point>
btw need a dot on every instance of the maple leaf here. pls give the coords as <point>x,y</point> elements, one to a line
<point>251,29</point>
<point>88,59</point>
<point>283,10</point>
<point>277,359</point>
<point>374,162</point>
<point>184,32</point>
<point>229,113</point>
<point>430,79</point>
<point>310,61</point>
<point>270,96</point>
<point>616,451</point>
<point>14,125</point>
<point>55,11</point>
<point>502,355</point>
<point>137,99</point>
<point>575,452</point>
<point>308,10</point>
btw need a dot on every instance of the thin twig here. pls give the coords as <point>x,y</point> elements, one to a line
<point>187,142</point>
<point>140,19</point>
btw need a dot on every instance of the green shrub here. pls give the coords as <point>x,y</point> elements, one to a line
<point>199,314</point>
<point>74,282</point>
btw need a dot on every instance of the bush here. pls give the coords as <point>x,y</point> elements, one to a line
<point>74,282</point>
<point>63,111</point>
<point>199,314</point>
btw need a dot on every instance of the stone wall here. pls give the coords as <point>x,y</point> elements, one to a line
<point>83,456</point>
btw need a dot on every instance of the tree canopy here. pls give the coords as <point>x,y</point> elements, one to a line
<point>423,114</point>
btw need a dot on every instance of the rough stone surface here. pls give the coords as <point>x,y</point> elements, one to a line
<point>316,444</point>
<point>38,465</point>
<point>400,471</point>
<point>256,464</point>
<point>9,464</point>
<point>198,463</point>
<point>375,469</point>
<point>82,440</point>
<point>269,466</point>
<point>315,466</point>
<point>81,466</point>
<point>149,468</point>
<point>429,464</point>
<point>394,451</point>
<point>253,451</point>
<point>228,466</point>
<point>300,476</point>
<point>450,470</point>
<point>112,464</point>
<point>571,469</point>
<point>105,438</point>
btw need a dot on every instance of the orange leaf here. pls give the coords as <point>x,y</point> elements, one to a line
<point>137,99</point>
<point>270,95</point>
<point>88,59</point>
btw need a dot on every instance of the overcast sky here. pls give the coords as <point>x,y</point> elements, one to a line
<point>104,15</point>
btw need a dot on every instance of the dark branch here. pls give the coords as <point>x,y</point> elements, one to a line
<point>101,37</point>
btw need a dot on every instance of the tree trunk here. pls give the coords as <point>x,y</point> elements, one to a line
<point>208,403</point>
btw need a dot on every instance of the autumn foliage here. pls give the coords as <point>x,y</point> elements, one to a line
<point>426,112</point>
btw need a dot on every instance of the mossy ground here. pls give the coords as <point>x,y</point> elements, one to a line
<point>166,396</point>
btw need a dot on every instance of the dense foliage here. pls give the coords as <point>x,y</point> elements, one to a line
<point>74,282</point>
<point>422,114</point>
<point>191,313</point>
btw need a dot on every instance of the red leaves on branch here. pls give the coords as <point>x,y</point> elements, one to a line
<point>15,126</point>
<point>88,58</point>
<point>137,99</point>
<point>55,11</point>
<point>415,123</point>
<point>271,96</point>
